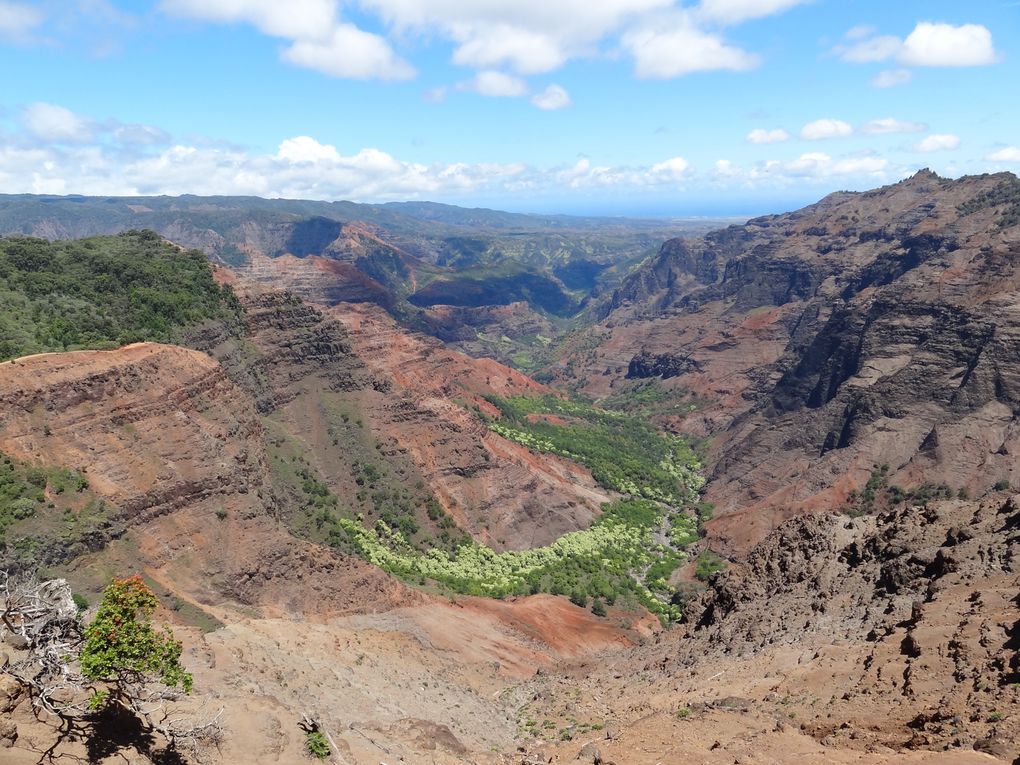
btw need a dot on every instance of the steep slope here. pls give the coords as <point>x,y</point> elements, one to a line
<point>888,639</point>
<point>868,329</point>
<point>374,408</point>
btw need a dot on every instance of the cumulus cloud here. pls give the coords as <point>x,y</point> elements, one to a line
<point>945,45</point>
<point>304,148</point>
<point>349,52</point>
<point>526,36</point>
<point>522,37</point>
<point>48,155</point>
<point>667,49</point>
<point>761,135</point>
<point>724,168</point>
<point>18,21</point>
<point>525,51</point>
<point>553,97</point>
<point>496,84</point>
<point>928,44</point>
<point>122,159</point>
<point>1010,154</point>
<point>890,125</point>
<point>671,170</point>
<point>817,164</point>
<point>55,123</point>
<point>318,39</point>
<point>826,128</point>
<point>937,142</point>
<point>890,78</point>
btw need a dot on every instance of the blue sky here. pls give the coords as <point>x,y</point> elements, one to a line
<point>656,107</point>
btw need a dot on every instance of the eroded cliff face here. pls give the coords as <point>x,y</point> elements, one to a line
<point>501,492</point>
<point>177,452</point>
<point>868,329</point>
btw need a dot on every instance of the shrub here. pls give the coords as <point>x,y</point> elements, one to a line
<point>121,646</point>
<point>708,563</point>
<point>316,745</point>
<point>1001,485</point>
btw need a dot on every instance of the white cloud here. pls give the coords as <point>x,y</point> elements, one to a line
<point>669,171</point>
<point>761,135</point>
<point>350,52</point>
<point>1009,154</point>
<point>525,51</point>
<point>726,169</point>
<point>553,97</point>
<point>496,84</point>
<point>890,125</point>
<point>527,36</point>
<point>735,11</point>
<point>878,48</point>
<point>55,123</point>
<point>929,44</point>
<point>18,21</point>
<point>817,164</point>
<point>663,50</point>
<point>945,45</point>
<point>306,167</point>
<point>306,149</point>
<point>294,19</point>
<point>890,78</point>
<point>318,39</point>
<point>826,128</point>
<point>522,37</point>
<point>937,142</point>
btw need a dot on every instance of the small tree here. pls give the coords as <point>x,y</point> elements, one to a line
<point>119,659</point>
<point>124,649</point>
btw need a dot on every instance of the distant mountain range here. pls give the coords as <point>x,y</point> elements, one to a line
<point>409,257</point>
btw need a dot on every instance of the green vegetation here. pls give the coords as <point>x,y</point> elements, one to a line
<point>316,745</point>
<point>878,494</point>
<point>708,563</point>
<point>1001,485</point>
<point>378,491</point>
<point>623,453</point>
<point>598,562</point>
<point>48,514</point>
<point>24,488</point>
<point>626,558</point>
<point>1006,194</point>
<point>121,646</point>
<point>102,292</point>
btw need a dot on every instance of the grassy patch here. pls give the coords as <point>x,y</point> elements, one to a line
<point>45,513</point>
<point>624,453</point>
<point>598,562</point>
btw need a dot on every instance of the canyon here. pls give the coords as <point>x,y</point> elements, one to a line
<point>849,372</point>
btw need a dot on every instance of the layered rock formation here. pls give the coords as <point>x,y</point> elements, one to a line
<point>871,328</point>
